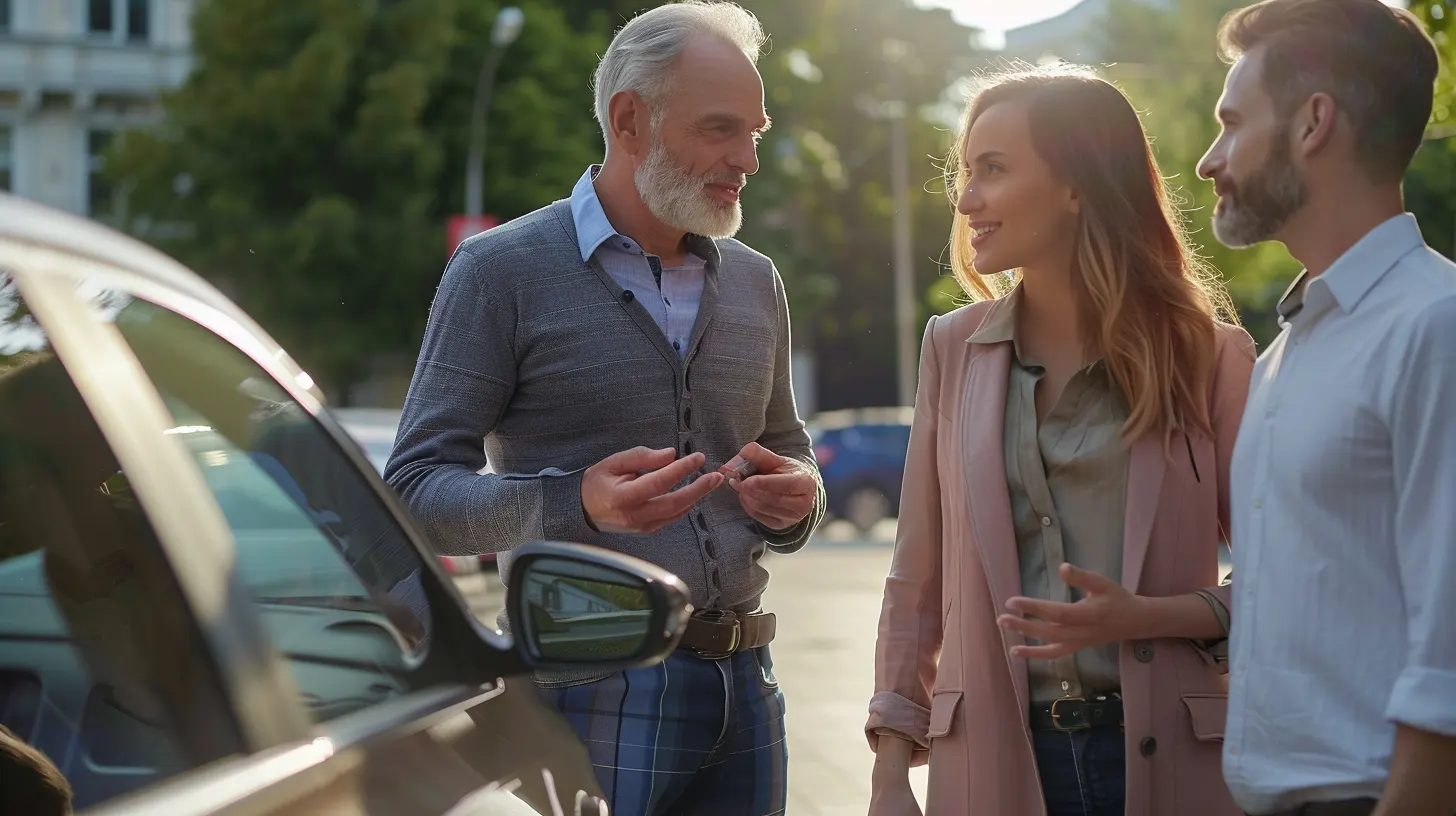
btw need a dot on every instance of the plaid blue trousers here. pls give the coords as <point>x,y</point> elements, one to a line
<point>687,737</point>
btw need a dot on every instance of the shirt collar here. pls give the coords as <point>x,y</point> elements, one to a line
<point>999,325</point>
<point>594,229</point>
<point>1356,272</point>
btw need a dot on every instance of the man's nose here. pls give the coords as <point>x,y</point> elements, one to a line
<point>745,158</point>
<point>1211,164</point>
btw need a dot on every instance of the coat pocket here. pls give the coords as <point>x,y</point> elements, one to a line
<point>1208,713</point>
<point>942,713</point>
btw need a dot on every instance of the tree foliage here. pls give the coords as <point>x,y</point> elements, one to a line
<point>318,146</point>
<point>317,150</point>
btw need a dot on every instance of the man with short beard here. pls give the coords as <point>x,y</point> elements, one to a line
<point>622,356</point>
<point>1343,648</point>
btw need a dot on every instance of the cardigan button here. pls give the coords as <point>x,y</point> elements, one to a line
<point>627,296</point>
<point>1148,746</point>
<point>1143,651</point>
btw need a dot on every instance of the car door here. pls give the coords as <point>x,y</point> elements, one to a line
<point>339,655</point>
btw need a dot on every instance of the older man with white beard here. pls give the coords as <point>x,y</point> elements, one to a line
<point>622,356</point>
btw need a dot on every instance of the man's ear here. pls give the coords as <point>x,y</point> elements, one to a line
<point>630,122</point>
<point>1314,124</point>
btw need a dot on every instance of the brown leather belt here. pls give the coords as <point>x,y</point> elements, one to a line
<point>716,635</point>
<point>1077,714</point>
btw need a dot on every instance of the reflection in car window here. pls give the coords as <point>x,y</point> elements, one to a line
<point>338,583</point>
<point>90,621</point>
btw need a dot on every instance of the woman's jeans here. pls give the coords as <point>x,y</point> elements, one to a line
<point>1083,773</point>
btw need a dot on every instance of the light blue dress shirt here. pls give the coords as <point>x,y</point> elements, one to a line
<point>671,294</point>
<point>1344,532</point>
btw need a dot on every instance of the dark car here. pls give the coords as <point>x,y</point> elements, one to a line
<point>210,602</point>
<point>861,454</point>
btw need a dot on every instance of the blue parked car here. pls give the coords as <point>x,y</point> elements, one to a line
<point>861,453</point>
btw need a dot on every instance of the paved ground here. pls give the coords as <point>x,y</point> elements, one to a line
<point>828,601</point>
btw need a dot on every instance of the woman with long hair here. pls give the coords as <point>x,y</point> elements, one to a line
<point>1047,641</point>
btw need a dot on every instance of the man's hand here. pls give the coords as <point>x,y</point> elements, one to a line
<point>632,491</point>
<point>781,492</point>
<point>1108,613</point>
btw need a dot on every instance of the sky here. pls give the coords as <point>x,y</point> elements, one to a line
<point>994,17</point>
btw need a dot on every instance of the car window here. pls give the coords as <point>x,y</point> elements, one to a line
<point>335,578</point>
<point>91,622</point>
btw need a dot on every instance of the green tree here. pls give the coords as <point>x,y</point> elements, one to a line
<point>317,148</point>
<point>823,204</point>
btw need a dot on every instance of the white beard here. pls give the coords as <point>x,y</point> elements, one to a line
<point>681,200</point>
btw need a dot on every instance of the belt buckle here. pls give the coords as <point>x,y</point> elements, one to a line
<point>1057,717</point>
<point>718,617</point>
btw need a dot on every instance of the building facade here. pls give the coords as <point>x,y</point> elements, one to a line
<point>72,74</point>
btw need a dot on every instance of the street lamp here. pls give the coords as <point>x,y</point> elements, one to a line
<point>505,31</point>
<point>897,112</point>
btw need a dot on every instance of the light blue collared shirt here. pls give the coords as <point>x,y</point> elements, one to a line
<point>671,294</point>
<point>1344,539</point>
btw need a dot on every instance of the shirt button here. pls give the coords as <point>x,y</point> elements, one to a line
<point>1258,503</point>
<point>1046,521</point>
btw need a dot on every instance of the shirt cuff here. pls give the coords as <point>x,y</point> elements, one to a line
<point>1425,699</point>
<point>1219,610</point>
<point>562,516</point>
<point>900,716</point>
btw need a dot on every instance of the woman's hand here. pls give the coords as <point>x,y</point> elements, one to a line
<point>893,797</point>
<point>890,793</point>
<point>1108,613</point>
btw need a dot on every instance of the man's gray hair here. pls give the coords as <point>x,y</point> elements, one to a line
<point>642,55</point>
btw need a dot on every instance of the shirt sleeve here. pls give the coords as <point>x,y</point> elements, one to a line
<point>1423,447</point>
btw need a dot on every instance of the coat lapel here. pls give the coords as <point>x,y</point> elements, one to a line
<point>1147,465</point>
<point>982,421</point>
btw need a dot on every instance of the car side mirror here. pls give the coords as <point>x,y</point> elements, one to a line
<point>576,606</point>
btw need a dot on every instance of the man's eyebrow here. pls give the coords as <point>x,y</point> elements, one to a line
<point>712,119</point>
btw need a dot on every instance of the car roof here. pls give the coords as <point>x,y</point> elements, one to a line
<point>30,222</point>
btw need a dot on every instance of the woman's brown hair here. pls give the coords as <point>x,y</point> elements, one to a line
<point>1148,301</point>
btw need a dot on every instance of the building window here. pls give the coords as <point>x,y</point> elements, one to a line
<point>119,19</point>
<point>138,20</point>
<point>7,140</point>
<point>4,15</point>
<point>100,16</point>
<point>98,187</point>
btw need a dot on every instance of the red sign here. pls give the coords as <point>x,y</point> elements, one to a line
<point>464,226</point>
